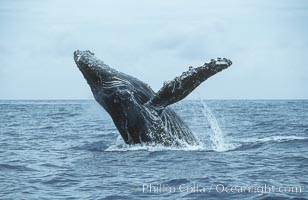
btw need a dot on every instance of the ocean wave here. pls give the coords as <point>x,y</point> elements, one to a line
<point>277,138</point>
<point>255,143</point>
<point>15,167</point>
<point>282,138</point>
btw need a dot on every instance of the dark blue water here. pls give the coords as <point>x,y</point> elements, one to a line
<point>71,150</point>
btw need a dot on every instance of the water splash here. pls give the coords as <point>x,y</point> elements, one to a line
<point>218,139</point>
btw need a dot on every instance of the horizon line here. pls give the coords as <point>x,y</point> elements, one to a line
<point>260,99</point>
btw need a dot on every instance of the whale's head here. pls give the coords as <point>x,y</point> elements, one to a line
<point>102,79</point>
<point>93,69</point>
<point>108,85</point>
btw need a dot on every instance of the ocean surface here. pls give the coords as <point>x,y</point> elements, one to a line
<point>72,150</point>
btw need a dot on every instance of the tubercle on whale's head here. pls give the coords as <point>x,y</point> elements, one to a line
<point>94,70</point>
<point>82,56</point>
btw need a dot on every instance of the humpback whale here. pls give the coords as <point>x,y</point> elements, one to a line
<point>140,114</point>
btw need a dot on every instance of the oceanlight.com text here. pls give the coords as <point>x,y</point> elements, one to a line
<point>218,188</point>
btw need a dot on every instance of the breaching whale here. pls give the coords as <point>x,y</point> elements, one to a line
<point>140,114</point>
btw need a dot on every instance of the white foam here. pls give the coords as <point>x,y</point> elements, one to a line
<point>152,148</point>
<point>121,146</point>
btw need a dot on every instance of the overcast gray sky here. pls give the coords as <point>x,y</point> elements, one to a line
<point>155,41</point>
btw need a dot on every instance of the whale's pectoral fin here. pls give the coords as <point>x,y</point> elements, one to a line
<point>177,89</point>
